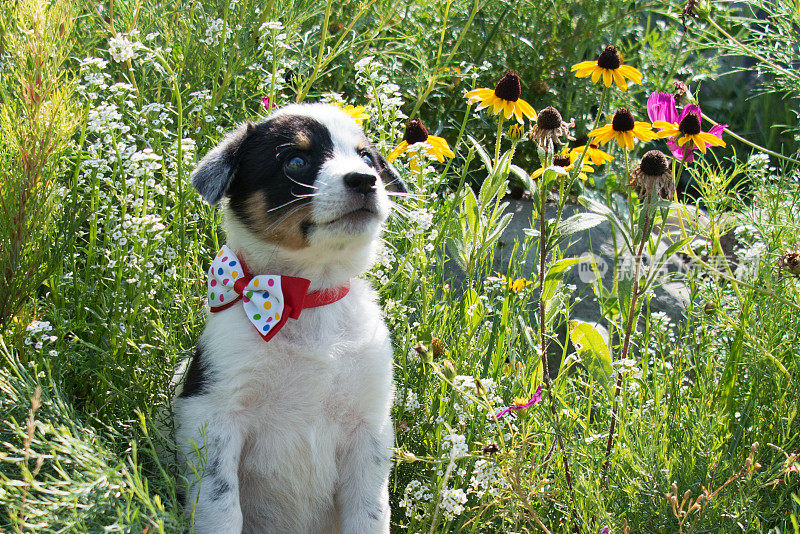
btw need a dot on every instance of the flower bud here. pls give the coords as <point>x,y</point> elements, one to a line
<point>448,370</point>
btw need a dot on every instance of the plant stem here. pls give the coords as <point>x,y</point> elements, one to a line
<point>499,140</point>
<point>752,144</point>
<point>579,162</point>
<point>627,339</point>
<point>543,341</point>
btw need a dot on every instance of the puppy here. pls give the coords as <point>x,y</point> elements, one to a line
<point>283,421</point>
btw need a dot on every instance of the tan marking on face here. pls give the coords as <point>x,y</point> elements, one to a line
<point>302,141</point>
<point>282,227</point>
<point>361,145</point>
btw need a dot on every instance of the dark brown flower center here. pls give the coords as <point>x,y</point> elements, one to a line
<point>609,58</point>
<point>623,120</point>
<point>415,132</point>
<point>561,160</point>
<point>549,119</point>
<point>654,163</point>
<point>690,125</point>
<point>509,87</point>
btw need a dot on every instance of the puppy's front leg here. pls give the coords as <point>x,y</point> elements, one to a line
<point>214,483</point>
<point>362,497</point>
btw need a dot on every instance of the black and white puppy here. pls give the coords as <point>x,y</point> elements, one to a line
<point>293,435</point>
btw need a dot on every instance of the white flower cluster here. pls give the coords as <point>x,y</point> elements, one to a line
<point>214,32</point>
<point>409,402</point>
<point>122,48</point>
<point>486,479</point>
<point>457,444</point>
<point>415,500</point>
<point>38,333</point>
<point>106,118</point>
<point>452,503</point>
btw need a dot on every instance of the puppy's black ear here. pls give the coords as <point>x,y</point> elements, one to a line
<point>214,173</point>
<point>390,177</point>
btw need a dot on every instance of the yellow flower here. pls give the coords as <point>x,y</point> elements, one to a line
<point>688,128</point>
<point>593,154</point>
<point>567,159</point>
<point>509,366</point>
<point>624,128</point>
<point>357,112</point>
<point>505,98</point>
<point>415,134</point>
<point>608,66</point>
<point>515,285</point>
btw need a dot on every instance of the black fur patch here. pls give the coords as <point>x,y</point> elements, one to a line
<point>221,487</point>
<point>262,160</point>
<point>196,380</point>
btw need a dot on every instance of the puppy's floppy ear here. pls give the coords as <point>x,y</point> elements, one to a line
<point>214,173</point>
<point>390,177</point>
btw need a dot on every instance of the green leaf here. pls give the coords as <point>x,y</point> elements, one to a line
<point>593,351</point>
<point>578,223</point>
<point>556,273</point>
<point>487,161</point>
<point>472,303</point>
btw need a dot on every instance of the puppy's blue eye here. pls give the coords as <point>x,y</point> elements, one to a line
<point>367,159</point>
<point>296,163</point>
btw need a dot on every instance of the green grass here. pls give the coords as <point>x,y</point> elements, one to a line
<point>89,354</point>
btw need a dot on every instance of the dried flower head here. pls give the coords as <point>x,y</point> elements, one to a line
<point>652,177</point>
<point>791,262</point>
<point>550,125</point>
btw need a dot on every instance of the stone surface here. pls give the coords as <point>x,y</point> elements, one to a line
<point>670,295</point>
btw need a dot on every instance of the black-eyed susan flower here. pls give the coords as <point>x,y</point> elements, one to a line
<point>623,128</point>
<point>550,125</point>
<point>609,67</point>
<point>593,154</point>
<point>566,160</point>
<point>652,176</point>
<point>687,133</point>
<point>516,285</point>
<point>415,138</point>
<point>504,98</point>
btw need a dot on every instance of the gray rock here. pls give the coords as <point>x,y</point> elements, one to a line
<point>670,294</point>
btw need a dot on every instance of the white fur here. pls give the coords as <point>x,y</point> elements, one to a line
<point>297,430</point>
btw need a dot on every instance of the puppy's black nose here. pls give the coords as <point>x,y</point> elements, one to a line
<point>361,182</point>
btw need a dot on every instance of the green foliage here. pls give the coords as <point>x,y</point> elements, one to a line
<point>103,328</point>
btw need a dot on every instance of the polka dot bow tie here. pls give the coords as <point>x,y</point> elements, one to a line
<point>269,300</point>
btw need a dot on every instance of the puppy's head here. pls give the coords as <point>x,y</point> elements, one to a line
<point>305,178</point>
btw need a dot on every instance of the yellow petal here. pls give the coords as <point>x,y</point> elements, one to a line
<point>606,136</point>
<point>509,109</point>
<point>597,72</point>
<point>665,125</point>
<point>583,65</point>
<point>699,143</point>
<point>711,139</point>
<point>537,173</point>
<point>683,139</point>
<point>607,77</point>
<point>399,149</point>
<point>600,131</point>
<point>526,109</point>
<point>631,73</point>
<point>620,81</point>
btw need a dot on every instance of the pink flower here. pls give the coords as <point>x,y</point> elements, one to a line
<point>683,131</point>
<point>267,104</point>
<point>661,107</point>
<point>534,400</point>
